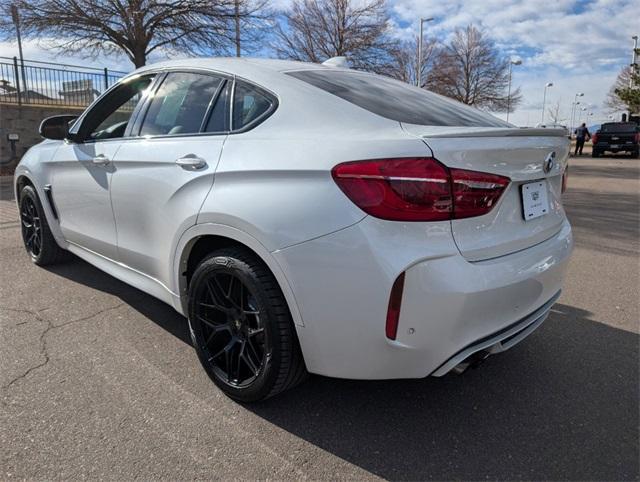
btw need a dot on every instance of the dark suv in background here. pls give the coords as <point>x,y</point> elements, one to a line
<point>617,137</point>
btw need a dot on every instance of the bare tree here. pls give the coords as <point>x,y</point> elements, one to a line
<point>315,30</point>
<point>554,113</point>
<point>614,102</point>
<point>470,69</point>
<point>135,27</point>
<point>404,58</point>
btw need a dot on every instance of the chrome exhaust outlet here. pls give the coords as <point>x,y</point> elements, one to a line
<point>472,361</point>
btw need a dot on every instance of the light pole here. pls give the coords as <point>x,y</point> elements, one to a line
<point>544,99</point>
<point>634,64</point>
<point>511,64</point>
<point>573,108</point>
<point>419,73</point>
<point>15,17</point>
<point>582,109</point>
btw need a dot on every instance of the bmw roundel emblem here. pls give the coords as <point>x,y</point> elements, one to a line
<point>549,163</point>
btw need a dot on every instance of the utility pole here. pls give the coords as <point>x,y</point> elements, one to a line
<point>574,106</point>
<point>237,19</point>
<point>15,16</point>
<point>419,69</point>
<point>544,100</point>
<point>511,64</point>
<point>634,64</point>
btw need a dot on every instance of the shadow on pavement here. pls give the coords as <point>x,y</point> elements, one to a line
<point>561,405</point>
<point>605,221</point>
<point>155,310</point>
<point>607,172</point>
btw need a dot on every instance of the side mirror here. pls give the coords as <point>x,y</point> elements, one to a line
<point>56,127</point>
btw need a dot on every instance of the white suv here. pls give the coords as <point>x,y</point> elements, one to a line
<point>307,218</point>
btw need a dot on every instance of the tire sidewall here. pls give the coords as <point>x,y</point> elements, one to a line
<point>262,385</point>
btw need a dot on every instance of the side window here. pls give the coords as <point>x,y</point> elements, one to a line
<point>110,116</point>
<point>249,103</point>
<point>180,104</point>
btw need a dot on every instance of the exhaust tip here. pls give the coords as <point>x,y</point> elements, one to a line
<point>472,361</point>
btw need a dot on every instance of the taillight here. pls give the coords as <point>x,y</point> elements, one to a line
<point>565,175</point>
<point>475,193</point>
<point>393,311</point>
<point>594,139</point>
<point>638,137</point>
<point>418,189</point>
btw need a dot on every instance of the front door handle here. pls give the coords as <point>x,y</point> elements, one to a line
<point>100,160</point>
<point>191,162</point>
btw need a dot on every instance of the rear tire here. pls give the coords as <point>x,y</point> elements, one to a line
<point>241,327</point>
<point>36,234</point>
<point>595,153</point>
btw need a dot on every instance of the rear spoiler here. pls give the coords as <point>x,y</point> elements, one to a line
<point>506,132</point>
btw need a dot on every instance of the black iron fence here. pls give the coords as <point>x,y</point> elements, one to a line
<point>47,83</point>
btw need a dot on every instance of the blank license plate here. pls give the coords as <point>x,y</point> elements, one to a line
<point>535,201</point>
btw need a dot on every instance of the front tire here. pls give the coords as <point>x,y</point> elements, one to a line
<point>241,327</point>
<point>36,234</point>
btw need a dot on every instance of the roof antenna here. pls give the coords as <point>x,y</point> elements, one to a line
<point>337,62</point>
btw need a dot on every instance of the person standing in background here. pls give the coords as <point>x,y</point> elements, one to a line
<point>582,133</point>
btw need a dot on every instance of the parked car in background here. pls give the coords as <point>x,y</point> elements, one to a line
<point>307,218</point>
<point>617,137</point>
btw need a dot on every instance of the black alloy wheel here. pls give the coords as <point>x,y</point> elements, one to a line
<point>241,327</point>
<point>233,329</point>
<point>36,234</point>
<point>31,227</point>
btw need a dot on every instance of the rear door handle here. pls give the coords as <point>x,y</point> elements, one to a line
<point>191,162</point>
<point>100,160</point>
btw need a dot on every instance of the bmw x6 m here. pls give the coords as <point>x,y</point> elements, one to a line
<point>307,218</point>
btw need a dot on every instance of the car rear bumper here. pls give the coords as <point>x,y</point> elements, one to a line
<point>450,307</point>
<point>616,147</point>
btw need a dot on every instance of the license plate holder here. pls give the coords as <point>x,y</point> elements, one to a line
<point>535,199</point>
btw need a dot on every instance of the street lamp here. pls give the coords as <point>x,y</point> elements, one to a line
<point>419,73</point>
<point>544,99</point>
<point>573,107</point>
<point>634,65</point>
<point>511,64</point>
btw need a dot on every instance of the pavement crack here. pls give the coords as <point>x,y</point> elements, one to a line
<point>44,352</point>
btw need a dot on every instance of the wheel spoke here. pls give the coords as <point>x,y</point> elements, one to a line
<point>224,350</point>
<point>216,300</point>
<point>216,327</point>
<point>250,364</point>
<point>253,352</point>
<point>218,307</point>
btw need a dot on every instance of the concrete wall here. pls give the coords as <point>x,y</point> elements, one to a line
<point>24,120</point>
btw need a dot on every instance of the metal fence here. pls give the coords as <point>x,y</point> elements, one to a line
<point>48,83</point>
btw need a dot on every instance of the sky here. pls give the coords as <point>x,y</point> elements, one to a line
<point>579,46</point>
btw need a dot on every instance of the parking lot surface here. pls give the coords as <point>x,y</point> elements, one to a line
<point>98,380</point>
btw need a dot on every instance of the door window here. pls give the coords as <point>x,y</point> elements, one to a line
<point>180,104</point>
<point>249,104</point>
<point>109,118</point>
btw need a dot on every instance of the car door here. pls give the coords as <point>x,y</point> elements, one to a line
<point>162,176</point>
<point>83,168</point>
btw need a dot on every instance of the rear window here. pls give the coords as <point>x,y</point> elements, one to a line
<point>396,100</point>
<point>619,127</point>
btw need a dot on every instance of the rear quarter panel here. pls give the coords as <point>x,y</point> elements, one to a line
<point>274,182</point>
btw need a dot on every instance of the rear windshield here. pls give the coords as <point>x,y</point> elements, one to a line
<point>619,127</point>
<point>396,100</point>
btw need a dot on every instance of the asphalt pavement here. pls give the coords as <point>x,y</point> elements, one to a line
<point>98,380</point>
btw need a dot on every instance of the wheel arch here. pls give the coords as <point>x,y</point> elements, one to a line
<point>201,239</point>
